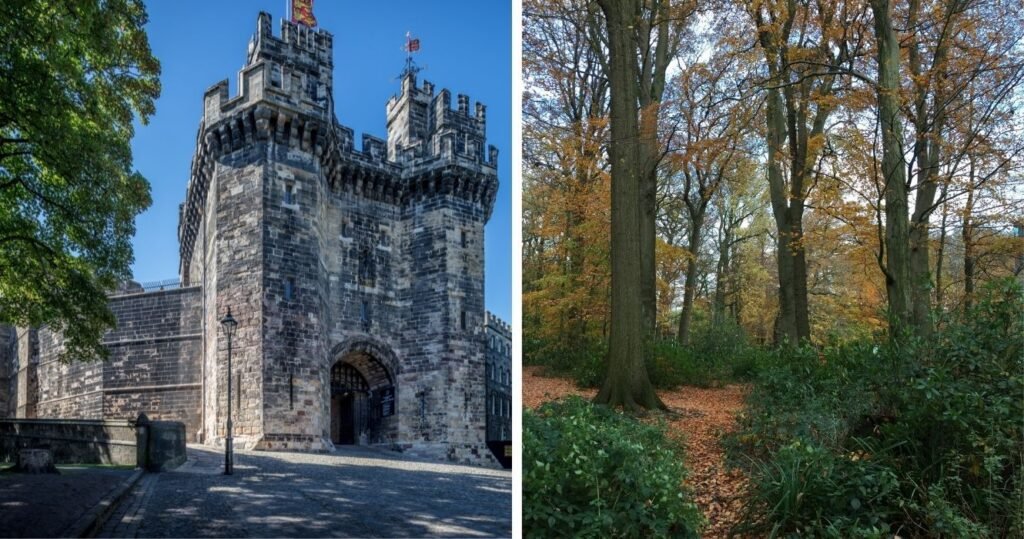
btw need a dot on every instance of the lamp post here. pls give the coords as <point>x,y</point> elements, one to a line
<point>229,324</point>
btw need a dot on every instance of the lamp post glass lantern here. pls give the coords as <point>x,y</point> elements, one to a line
<point>229,324</point>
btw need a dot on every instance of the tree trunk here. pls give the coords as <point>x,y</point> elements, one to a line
<point>647,240</point>
<point>920,273</point>
<point>919,245</point>
<point>785,324</point>
<point>690,289</point>
<point>968,238</point>
<point>723,269</point>
<point>787,112</point>
<point>626,383</point>
<point>800,312</point>
<point>652,88</point>
<point>897,236</point>
<point>940,253</point>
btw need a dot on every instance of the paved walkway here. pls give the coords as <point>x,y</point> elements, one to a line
<point>355,492</point>
<point>47,505</point>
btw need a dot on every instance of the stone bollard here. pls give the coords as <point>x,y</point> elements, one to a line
<point>160,445</point>
<point>36,461</point>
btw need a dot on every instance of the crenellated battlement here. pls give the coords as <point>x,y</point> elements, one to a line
<point>497,324</point>
<point>300,45</point>
<point>422,125</point>
<point>294,70</point>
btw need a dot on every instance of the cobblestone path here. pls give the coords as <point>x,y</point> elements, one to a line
<point>355,492</point>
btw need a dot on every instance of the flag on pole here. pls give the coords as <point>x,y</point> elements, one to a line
<point>302,13</point>
<point>411,45</point>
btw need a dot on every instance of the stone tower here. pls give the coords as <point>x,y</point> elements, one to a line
<point>356,275</point>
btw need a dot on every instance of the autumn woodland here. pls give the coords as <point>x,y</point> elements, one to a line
<point>813,210</point>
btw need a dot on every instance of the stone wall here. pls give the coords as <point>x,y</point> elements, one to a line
<point>71,441</point>
<point>295,293</point>
<point>154,364</point>
<point>442,382</point>
<point>67,390</point>
<point>362,254</point>
<point>27,380</point>
<point>155,445</point>
<point>8,370</point>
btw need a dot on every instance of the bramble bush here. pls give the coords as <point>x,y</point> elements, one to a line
<point>590,471</point>
<point>872,440</point>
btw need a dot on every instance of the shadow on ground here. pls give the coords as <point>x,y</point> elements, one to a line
<point>46,505</point>
<point>350,493</point>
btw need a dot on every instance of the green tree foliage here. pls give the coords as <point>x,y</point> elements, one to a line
<point>74,75</point>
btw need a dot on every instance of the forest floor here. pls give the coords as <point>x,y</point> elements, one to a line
<point>701,416</point>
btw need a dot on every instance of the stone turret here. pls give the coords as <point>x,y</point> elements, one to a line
<point>422,125</point>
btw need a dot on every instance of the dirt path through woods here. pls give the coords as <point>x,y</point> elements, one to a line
<point>703,416</point>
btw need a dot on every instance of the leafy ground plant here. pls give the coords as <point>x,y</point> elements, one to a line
<point>875,440</point>
<point>590,471</point>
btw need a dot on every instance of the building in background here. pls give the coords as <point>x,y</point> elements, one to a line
<point>499,379</point>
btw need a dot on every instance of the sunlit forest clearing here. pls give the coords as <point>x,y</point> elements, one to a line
<point>813,208</point>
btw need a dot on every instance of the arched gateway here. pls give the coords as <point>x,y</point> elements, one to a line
<point>362,391</point>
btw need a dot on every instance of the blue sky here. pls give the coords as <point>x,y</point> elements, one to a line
<point>466,46</point>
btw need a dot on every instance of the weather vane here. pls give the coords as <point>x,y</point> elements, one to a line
<point>411,45</point>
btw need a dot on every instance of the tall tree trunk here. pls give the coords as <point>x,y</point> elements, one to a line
<point>789,105</point>
<point>736,283</point>
<point>648,233</point>
<point>690,289</point>
<point>722,269</point>
<point>968,239</point>
<point>941,251</point>
<point>800,311</point>
<point>920,274</point>
<point>785,324</point>
<point>897,236</point>
<point>928,126</point>
<point>626,383</point>
<point>652,88</point>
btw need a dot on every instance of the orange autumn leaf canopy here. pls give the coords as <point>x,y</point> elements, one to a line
<point>302,13</point>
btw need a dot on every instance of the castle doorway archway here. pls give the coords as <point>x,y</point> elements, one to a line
<point>362,395</point>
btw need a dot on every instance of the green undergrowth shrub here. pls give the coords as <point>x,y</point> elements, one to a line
<point>719,354</point>
<point>810,491</point>
<point>876,440</point>
<point>582,359</point>
<point>590,471</point>
<point>807,394</point>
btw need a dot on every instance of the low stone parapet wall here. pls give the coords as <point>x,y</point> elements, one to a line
<point>154,445</point>
<point>72,441</point>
